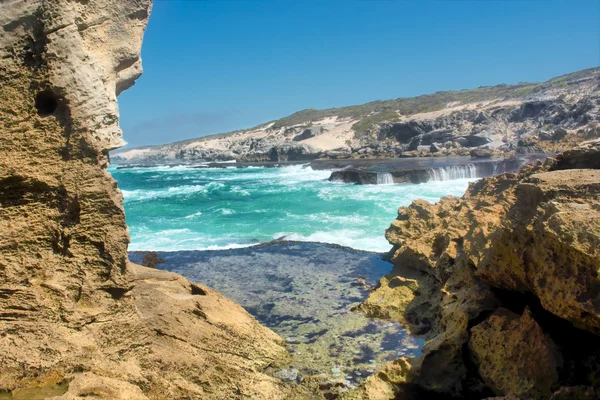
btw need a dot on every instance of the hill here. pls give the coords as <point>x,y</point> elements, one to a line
<point>497,117</point>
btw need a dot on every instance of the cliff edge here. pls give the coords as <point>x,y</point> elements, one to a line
<point>77,319</point>
<point>504,283</point>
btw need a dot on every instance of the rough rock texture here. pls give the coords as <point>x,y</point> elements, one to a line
<point>526,242</point>
<point>72,308</point>
<point>514,356</point>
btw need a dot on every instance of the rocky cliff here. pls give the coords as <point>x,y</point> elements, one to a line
<point>504,282</point>
<point>77,319</point>
<point>506,119</point>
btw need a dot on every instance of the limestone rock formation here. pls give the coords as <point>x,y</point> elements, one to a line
<point>72,308</point>
<point>525,118</point>
<point>505,283</point>
<point>514,356</point>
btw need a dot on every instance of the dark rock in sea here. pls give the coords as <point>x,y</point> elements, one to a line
<point>413,171</point>
<point>360,177</point>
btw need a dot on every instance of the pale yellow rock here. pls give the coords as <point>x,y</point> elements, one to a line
<point>514,356</point>
<point>537,232</point>
<point>72,308</point>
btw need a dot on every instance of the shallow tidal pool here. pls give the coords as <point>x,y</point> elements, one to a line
<point>305,292</point>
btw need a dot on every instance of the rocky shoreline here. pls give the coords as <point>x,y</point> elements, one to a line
<point>505,121</point>
<point>504,282</point>
<point>304,292</point>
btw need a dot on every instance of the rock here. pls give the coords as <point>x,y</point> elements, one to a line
<point>576,393</point>
<point>72,307</point>
<point>435,148</point>
<point>588,157</point>
<point>357,176</point>
<point>261,149</point>
<point>289,375</point>
<point>308,133</point>
<point>474,141</point>
<point>481,153</point>
<point>461,142</point>
<point>514,356</point>
<point>339,153</point>
<point>526,240</point>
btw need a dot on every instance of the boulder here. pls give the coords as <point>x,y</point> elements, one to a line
<point>308,133</point>
<point>514,356</point>
<point>435,148</point>
<point>481,153</point>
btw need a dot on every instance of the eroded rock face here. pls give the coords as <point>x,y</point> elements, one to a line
<point>526,242</point>
<point>72,308</point>
<point>514,356</point>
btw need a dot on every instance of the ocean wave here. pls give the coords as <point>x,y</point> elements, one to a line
<point>238,189</point>
<point>144,194</point>
<point>356,239</point>
<point>232,208</point>
<point>194,215</point>
<point>144,239</point>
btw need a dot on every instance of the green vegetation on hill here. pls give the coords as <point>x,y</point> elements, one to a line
<point>375,112</point>
<point>379,111</point>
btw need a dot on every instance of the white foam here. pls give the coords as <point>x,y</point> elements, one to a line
<point>142,194</point>
<point>354,238</point>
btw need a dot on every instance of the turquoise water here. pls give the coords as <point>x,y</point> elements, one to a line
<point>182,208</point>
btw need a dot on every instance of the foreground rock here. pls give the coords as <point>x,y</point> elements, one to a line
<point>73,310</point>
<point>505,284</point>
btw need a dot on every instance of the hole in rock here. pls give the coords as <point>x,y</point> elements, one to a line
<point>197,290</point>
<point>116,292</point>
<point>46,103</point>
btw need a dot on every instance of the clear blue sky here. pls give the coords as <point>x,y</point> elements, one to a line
<point>215,66</point>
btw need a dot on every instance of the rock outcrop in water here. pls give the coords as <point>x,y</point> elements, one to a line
<point>389,173</point>
<point>72,308</point>
<point>505,284</point>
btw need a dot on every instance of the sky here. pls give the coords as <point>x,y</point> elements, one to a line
<point>216,66</point>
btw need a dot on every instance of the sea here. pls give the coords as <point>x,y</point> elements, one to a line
<point>297,251</point>
<point>186,208</point>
